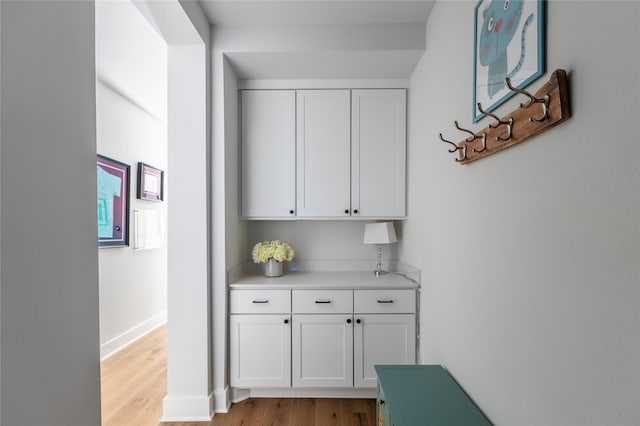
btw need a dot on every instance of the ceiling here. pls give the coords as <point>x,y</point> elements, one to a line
<point>307,59</point>
<point>314,12</point>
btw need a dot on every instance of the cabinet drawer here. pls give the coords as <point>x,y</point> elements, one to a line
<point>384,301</point>
<point>323,301</point>
<point>260,301</point>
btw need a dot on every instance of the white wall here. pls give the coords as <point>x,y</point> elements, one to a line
<point>133,295</point>
<point>131,56</point>
<point>50,360</point>
<point>131,61</point>
<point>320,240</point>
<point>356,51</point>
<point>0,226</point>
<point>529,257</point>
<point>189,356</point>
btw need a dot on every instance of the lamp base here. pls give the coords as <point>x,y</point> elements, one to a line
<point>380,272</point>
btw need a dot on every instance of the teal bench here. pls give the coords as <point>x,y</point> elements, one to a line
<point>423,395</point>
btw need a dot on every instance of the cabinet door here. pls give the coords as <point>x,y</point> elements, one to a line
<point>260,350</point>
<point>378,158</point>
<point>382,339</point>
<point>268,153</point>
<point>323,153</point>
<point>322,351</point>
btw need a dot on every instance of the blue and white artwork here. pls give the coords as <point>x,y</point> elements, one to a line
<point>508,42</point>
<point>109,187</point>
<point>113,202</point>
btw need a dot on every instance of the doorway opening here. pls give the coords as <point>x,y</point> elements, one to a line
<point>131,128</point>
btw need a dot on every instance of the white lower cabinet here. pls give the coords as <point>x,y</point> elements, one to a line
<point>381,340</point>
<point>385,331</point>
<point>260,338</point>
<point>322,351</point>
<point>322,342</point>
<point>318,338</point>
<point>260,354</point>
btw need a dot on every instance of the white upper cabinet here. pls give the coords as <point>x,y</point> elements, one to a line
<point>324,153</point>
<point>314,154</point>
<point>378,146</point>
<point>268,150</point>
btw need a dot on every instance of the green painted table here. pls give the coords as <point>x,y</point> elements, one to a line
<point>423,395</point>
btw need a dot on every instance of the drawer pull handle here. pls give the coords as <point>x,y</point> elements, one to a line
<point>286,321</point>
<point>323,301</point>
<point>261,301</point>
<point>385,301</point>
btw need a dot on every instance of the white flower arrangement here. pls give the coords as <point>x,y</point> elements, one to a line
<point>278,250</point>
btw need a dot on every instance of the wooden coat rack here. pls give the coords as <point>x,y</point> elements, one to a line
<point>544,110</point>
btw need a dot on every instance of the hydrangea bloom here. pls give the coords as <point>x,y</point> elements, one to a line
<point>265,250</point>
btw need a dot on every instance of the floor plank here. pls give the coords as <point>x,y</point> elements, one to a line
<point>134,383</point>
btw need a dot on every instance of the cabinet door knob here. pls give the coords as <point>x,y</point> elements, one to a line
<point>286,321</point>
<point>291,212</point>
<point>349,321</point>
<point>358,321</point>
<point>346,211</point>
<point>356,211</point>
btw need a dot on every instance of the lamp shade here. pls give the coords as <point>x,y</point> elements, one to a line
<point>379,233</point>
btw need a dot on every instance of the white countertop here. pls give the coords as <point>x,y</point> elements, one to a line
<point>323,280</point>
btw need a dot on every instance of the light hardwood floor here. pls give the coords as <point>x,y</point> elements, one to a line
<point>134,381</point>
<point>134,384</point>
<point>294,412</point>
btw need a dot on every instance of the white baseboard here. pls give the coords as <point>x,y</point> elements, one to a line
<point>128,337</point>
<point>187,409</point>
<point>222,400</point>
<point>242,394</point>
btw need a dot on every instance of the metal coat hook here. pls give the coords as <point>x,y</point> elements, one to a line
<point>499,122</point>
<point>463,148</point>
<point>456,148</point>
<point>532,100</point>
<point>473,135</point>
<point>484,144</point>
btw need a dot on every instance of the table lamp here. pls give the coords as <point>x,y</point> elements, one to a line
<point>379,233</point>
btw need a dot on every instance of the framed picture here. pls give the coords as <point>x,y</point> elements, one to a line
<point>508,42</point>
<point>150,183</point>
<point>113,202</point>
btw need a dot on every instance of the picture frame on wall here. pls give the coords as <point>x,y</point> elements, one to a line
<point>150,183</point>
<point>509,41</point>
<point>113,202</point>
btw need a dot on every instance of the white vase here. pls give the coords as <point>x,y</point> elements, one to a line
<point>272,268</point>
